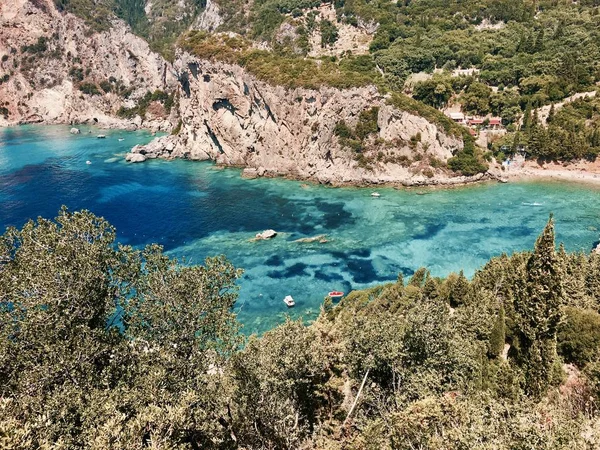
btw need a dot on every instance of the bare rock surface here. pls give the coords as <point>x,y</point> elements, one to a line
<point>46,81</point>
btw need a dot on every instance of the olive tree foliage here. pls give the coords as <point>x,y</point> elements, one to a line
<point>285,386</point>
<point>105,346</point>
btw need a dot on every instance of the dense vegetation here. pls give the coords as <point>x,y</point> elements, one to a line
<point>104,346</point>
<point>570,132</point>
<point>161,27</point>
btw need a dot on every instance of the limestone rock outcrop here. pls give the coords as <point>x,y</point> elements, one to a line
<point>267,234</point>
<point>234,119</point>
<point>54,59</point>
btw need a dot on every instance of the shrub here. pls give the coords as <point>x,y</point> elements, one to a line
<point>329,33</point>
<point>89,89</point>
<point>106,86</point>
<point>367,123</point>
<point>342,130</point>
<point>579,336</point>
<point>39,47</point>
<point>76,73</point>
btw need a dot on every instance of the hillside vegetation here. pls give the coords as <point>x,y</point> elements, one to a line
<point>104,346</point>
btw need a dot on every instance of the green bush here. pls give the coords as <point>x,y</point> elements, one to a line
<point>89,88</point>
<point>579,336</point>
<point>39,47</point>
<point>106,86</point>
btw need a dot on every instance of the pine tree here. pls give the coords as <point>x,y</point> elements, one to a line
<point>551,114</point>
<point>537,309</point>
<point>539,42</point>
<point>527,117</point>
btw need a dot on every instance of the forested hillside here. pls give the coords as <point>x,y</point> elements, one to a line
<point>104,346</point>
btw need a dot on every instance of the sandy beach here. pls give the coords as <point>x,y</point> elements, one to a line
<point>581,172</point>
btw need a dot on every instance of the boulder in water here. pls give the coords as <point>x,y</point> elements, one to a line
<point>135,157</point>
<point>267,234</point>
<point>75,131</point>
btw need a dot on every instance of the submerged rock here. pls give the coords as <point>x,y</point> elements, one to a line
<point>250,173</point>
<point>321,239</point>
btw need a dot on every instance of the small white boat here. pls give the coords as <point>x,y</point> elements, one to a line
<point>121,139</point>
<point>101,136</point>
<point>88,162</point>
<point>375,194</point>
<point>289,301</point>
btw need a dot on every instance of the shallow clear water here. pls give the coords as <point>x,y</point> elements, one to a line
<point>196,210</point>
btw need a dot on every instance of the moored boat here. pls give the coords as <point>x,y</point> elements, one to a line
<point>335,294</point>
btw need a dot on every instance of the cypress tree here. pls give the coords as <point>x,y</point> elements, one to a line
<point>537,309</point>
<point>430,289</point>
<point>400,279</point>
<point>460,291</point>
<point>419,277</point>
<point>498,335</point>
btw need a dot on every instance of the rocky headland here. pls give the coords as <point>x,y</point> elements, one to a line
<point>230,117</point>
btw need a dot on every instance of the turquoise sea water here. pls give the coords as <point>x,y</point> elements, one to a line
<point>196,210</point>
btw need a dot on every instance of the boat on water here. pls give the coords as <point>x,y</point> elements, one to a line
<point>532,204</point>
<point>375,194</point>
<point>121,139</point>
<point>101,136</point>
<point>289,301</point>
<point>336,294</point>
<point>88,162</point>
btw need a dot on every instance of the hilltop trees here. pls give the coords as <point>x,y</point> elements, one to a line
<point>92,333</point>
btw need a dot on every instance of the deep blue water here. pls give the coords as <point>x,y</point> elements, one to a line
<point>196,210</point>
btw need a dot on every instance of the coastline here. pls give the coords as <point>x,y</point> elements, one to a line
<point>580,172</point>
<point>585,172</point>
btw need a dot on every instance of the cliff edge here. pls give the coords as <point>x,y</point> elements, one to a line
<point>55,69</point>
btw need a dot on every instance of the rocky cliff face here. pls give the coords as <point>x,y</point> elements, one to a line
<point>52,69</point>
<point>236,120</point>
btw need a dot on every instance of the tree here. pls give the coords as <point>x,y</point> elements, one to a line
<point>537,307</point>
<point>497,335</point>
<point>579,336</point>
<point>92,333</point>
<point>329,33</point>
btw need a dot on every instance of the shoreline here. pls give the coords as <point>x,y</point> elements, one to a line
<point>579,172</point>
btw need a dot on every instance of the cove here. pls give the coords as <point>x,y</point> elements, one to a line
<point>196,210</point>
